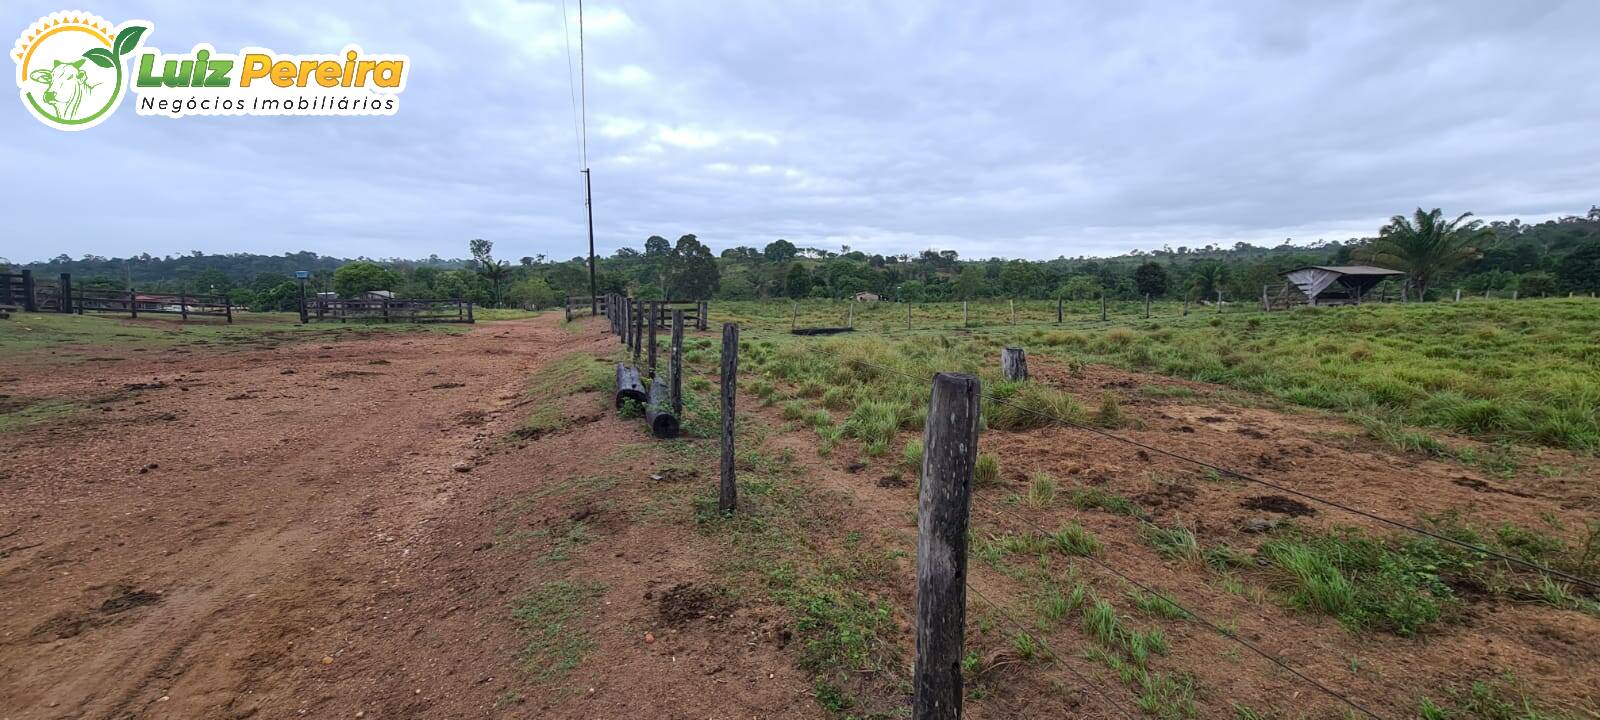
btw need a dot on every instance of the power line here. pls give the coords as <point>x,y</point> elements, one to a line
<point>1197,616</point>
<point>1052,653</point>
<point>572,85</point>
<point>583,85</point>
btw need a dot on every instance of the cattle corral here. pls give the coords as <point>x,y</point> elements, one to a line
<point>1083,547</point>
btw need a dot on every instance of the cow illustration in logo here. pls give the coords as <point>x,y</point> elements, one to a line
<point>69,67</point>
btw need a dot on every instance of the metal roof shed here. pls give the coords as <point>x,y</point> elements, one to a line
<point>1333,284</point>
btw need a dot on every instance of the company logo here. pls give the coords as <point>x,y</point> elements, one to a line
<point>73,69</point>
<point>70,67</point>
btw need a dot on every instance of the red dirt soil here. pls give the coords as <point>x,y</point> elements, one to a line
<point>281,533</point>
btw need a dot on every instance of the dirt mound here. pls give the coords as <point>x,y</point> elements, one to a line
<point>687,602</point>
<point>1277,504</point>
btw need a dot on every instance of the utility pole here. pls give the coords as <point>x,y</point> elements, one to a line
<point>588,202</point>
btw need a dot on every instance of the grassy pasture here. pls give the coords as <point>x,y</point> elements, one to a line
<point>1524,372</point>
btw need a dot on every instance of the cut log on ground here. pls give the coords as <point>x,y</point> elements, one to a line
<point>663,424</point>
<point>629,386</point>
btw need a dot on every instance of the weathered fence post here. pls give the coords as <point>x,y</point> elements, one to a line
<point>1058,311</point>
<point>566,307</point>
<point>133,304</point>
<point>963,313</point>
<point>28,303</point>
<point>1014,363</point>
<point>850,315</point>
<point>1219,300</point>
<point>1013,312</point>
<point>1266,305</point>
<point>655,311</point>
<point>638,329</point>
<point>469,314</point>
<point>1513,294</point>
<point>908,316</point>
<point>629,385</point>
<point>950,446</point>
<point>705,309</point>
<point>183,307</point>
<point>1147,306</point>
<point>794,314</point>
<point>1458,294</point>
<point>677,363</point>
<point>728,496</point>
<point>66,293</point>
<point>658,413</point>
<point>1102,306</point>
<point>227,305</point>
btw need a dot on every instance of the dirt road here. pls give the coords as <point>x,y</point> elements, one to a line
<point>273,532</point>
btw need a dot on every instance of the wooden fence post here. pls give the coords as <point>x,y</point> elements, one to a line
<point>566,307</point>
<point>183,307</point>
<point>728,495</point>
<point>950,447</point>
<point>227,306</point>
<point>850,315</point>
<point>794,313</point>
<point>66,293</point>
<point>133,303</point>
<point>908,316</point>
<point>638,329</point>
<point>1102,306</point>
<point>28,303</point>
<point>1014,363</point>
<point>963,313</point>
<point>705,309</point>
<point>1058,311</point>
<point>1266,305</point>
<point>655,311</point>
<point>469,314</point>
<point>1458,294</point>
<point>1219,301</point>
<point>677,363</point>
<point>1013,312</point>
<point>1147,306</point>
<point>1513,294</point>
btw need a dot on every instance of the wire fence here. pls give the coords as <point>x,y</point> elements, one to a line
<point>1188,612</point>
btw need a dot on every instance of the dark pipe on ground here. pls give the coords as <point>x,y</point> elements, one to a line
<point>663,424</point>
<point>629,386</point>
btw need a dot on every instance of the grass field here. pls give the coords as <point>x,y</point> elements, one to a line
<point>1523,372</point>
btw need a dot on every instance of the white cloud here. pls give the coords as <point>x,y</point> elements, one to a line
<point>626,75</point>
<point>688,137</point>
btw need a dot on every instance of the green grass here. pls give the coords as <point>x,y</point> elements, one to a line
<point>566,375</point>
<point>1502,698</point>
<point>547,615</point>
<point>1523,372</point>
<point>72,337</point>
<point>17,418</point>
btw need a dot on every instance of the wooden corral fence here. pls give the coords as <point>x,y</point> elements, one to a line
<point>25,292</point>
<point>579,306</point>
<point>624,311</point>
<point>136,303</point>
<point>390,310</point>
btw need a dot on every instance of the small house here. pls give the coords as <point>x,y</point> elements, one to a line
<point>376,295</point>
<point>1336,284</point>
<point>866,296</point>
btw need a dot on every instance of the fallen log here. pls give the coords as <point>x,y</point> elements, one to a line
<point>658,413</point>
<point>629,386</point>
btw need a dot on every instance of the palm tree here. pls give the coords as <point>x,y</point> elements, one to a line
<point>1206,278</point>
<point>1425,248</point>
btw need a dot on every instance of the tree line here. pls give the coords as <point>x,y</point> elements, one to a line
<point>1437,252</point>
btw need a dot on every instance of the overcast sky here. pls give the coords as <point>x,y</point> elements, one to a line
<point>1022,129</point>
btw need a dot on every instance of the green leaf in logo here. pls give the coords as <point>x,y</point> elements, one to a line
<point>101,57</point>
<point>128,39</point>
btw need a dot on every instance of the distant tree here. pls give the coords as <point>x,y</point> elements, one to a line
<point>1426,248</point>
<point>1580,270</point>
<point>354,278</point>
<point>1206,279</point>
<point>970,284</point>
<point>1020,278</point>
<point>694,274</point>
<point>492,270</point>
<point>1151,279</point>
<point>797,282</point>
<point>1080,287</point>
<point>779,250</point>
<point>1536,284</point>
<point>534,292</point>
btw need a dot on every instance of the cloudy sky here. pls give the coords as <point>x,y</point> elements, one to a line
<point>1023,129</point>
